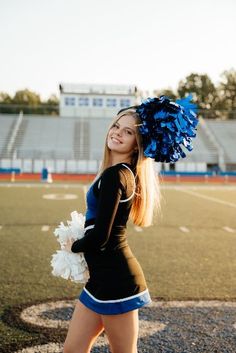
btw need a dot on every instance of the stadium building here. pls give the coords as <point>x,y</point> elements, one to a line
<point>95,101</point>
<point>73,141</point>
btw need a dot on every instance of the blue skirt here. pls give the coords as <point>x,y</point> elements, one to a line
<point>117,306</point>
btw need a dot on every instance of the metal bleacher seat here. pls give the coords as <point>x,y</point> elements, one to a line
<point>6,124</point>
<point>203,148</point>
<point>225,134</point>
<point>47,137</point>
<point>72,143</point>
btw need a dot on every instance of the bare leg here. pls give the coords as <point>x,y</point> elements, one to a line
<point>122,331</point>
<point>85,326</point>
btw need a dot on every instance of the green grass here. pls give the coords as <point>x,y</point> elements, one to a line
<point>200,264</point>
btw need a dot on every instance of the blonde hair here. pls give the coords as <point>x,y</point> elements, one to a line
<point>146,203</point>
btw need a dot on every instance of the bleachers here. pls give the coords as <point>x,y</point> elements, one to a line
<point>225,133</point>
<point>47,138</point>
<point>42,137</point>
<point>203,148</point>
<point>6,125</point>
<point>66,141</point>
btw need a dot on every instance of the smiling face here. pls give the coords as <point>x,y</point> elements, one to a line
<point>121,138</point>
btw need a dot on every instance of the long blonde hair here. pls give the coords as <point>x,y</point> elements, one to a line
<point>146,203</point>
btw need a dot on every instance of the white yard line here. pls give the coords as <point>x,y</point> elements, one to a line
<point>209,198</point>
<point>184,229</point>
<point>38,185</point>
<point>164,187</point>
<point>138,229</point>
<point>85,189</point>
<point>199,187</point>
<point>229,230</point>
<point>45,228</point>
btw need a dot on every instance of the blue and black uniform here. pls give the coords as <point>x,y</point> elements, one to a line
<point>116,284</point>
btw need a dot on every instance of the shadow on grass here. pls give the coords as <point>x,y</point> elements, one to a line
<point>40,335</point>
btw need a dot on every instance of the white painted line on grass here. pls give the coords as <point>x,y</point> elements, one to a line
<point>85,192</point>
<point>184,229</point>
<point>59,196</point>
<point>214,199</point>
<point>229,230</point>
<point>199,187</point>
<point>41,185</point>
<point>45,228</point>
<point>34,315</point>
<point>138,229</point>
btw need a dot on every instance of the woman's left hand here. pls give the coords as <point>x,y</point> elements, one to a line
<point>68,245</point>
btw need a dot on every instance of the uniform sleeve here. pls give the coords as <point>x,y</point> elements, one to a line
<point>108,202</point>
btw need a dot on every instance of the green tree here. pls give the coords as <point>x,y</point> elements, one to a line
<point>5,103</point>
<point>227,94</point>
<point>52,100</point>
<point>166,92</point>
<point>26,97</point>
<point>51,106</point>
<point>29,102</point>
<point>203,90</point>
<point>5,98</point>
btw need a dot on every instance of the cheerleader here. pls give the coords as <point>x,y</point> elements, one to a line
<point>126,187</point>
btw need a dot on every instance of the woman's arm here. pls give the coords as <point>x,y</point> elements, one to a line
<point>109,197</point>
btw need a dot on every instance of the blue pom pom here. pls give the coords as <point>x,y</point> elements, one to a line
<point>165,126</point>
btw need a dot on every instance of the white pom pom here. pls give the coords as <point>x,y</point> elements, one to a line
<point>66,264</point>
<point>77,225</point>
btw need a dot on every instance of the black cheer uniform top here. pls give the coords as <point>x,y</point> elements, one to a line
<point>116,282</point>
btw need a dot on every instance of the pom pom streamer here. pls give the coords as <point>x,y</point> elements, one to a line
<point>167,125</point>
<point>66,264</point>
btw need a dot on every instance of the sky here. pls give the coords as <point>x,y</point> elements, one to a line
<point>152,44</point>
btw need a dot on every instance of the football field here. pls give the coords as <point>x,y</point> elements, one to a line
<point>188,255</point>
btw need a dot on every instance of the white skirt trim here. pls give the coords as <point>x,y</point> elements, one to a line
<point>116,300</point>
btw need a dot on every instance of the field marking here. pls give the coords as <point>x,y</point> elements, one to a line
<point>229,230</point>
<point>149,325</point>
<point>38,185</point>
<point>184,229</point>
<point>138,229</point>
<point>85,189</point>
<point>45,228</point>
<point>59,196</point>
<point>193,303</point>
<point>209,198</point>
<point>224,187</point>
<point>199,187</point>
<point>33,315</point>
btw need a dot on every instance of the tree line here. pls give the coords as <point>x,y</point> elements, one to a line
<point>213,101</point>
<point>29,102</point>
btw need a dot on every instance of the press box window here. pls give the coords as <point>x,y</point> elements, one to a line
<point>83,101</point>
<point>69,100</point>
<point>97,102</point>
<point>111,102</point>
<point>124,103</point>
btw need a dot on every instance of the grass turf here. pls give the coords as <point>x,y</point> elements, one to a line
<point>199,264</point>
